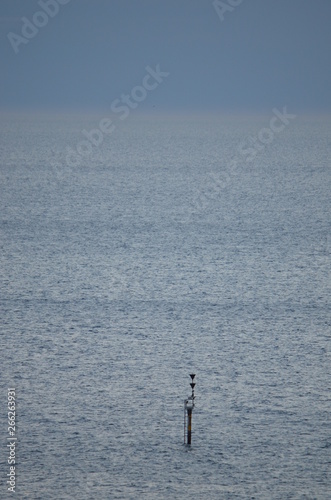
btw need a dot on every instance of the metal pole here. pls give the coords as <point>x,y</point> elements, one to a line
<point>189,425</point>
<point>185,421</point>
<point>188,406</point>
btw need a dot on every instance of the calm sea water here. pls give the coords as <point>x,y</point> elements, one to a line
<point>162,252</point>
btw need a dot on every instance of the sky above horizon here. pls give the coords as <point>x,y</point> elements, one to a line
<point>237,56</point>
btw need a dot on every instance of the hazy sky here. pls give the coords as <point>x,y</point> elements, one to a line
<point>263,54</point>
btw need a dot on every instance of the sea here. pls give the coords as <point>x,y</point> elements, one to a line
<point>134,255</point>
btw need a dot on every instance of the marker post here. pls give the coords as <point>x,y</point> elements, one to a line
<point>188,408</point>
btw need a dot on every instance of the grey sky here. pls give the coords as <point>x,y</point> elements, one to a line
<point>264,54</point>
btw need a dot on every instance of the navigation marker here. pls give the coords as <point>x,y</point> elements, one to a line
<point>188,408</point>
